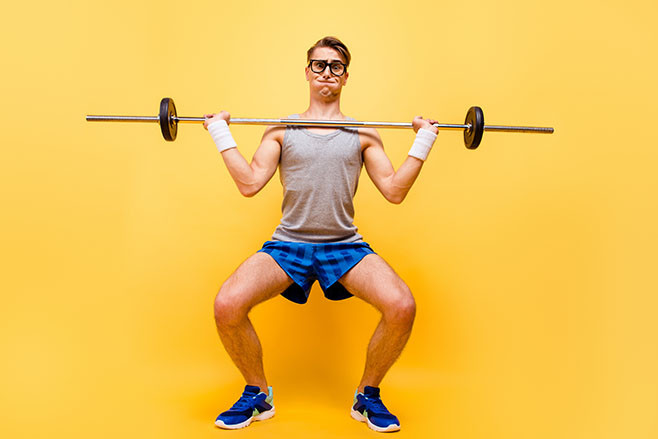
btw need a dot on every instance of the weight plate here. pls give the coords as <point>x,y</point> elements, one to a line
<point>168,122</point>
<point>473,135</point>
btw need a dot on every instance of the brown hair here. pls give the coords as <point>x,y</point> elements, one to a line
<point>333,43</point>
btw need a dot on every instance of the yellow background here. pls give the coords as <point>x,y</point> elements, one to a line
<point>532,259</point>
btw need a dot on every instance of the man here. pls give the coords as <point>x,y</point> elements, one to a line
<point>316,239</point>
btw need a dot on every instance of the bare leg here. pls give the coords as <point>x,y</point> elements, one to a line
<point>256,280</point>
<point>374,281</point>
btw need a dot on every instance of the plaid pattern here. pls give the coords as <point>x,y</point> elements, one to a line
<point>305,263</point>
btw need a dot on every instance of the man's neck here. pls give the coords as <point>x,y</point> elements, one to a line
<point>323,110</point>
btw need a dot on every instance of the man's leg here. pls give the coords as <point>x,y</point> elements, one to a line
<point>256,280</point>
<point>374,281</point>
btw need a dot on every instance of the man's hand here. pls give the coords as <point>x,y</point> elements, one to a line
<point>210,118</point>
<point>428,124</point>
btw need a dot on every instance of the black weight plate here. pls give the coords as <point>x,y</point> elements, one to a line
<point>168,122</point>
<point>473,135</point>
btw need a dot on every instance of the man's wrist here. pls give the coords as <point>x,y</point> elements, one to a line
<point>221,135</point>
<point>422,144</point>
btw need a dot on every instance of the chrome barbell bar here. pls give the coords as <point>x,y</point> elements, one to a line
<point>324,123</point>
<point>473,126</point>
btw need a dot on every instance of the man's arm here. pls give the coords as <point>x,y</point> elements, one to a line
<point>394,185</point>
<point>251,178</point>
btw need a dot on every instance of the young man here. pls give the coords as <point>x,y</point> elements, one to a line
<point>316,239</point>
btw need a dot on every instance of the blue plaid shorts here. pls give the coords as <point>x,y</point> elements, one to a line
<point>305,263</point>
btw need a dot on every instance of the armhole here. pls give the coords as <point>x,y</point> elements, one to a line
<point>287,133</point>
<point>358,139</point>
<point>358,142</point>
<point>286,138</point>
<point>361,148</point>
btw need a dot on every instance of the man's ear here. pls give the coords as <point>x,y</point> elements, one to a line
<point>306,70</point>
<point>346,75</point>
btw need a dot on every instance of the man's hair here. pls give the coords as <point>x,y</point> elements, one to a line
<point>333,43</point>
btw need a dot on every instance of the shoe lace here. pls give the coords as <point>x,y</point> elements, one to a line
<point>244,402</point>
<point>376,406</point>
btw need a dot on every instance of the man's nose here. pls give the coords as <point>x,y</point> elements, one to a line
<point>327,71</point>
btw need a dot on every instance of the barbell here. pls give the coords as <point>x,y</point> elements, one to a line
<point>473,126</point>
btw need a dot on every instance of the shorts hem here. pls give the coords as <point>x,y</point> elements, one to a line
<point>341,293</point>
<point>296,298</point>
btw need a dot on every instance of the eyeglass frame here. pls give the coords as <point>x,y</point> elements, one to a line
<point>329,64</point>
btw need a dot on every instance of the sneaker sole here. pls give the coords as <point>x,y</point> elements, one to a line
<point>259,417</point>
<point>359,417</point>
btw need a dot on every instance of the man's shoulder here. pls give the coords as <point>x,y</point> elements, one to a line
<point>369,137</point>
<point>275,132</point>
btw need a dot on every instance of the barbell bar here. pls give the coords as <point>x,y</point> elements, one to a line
<point>473,126</point>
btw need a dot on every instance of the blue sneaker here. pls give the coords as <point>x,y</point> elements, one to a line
<point>368,407</point>
<point>253,405</point>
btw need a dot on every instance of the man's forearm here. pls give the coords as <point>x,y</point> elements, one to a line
<point>241,172</point>
<point>402,180</point>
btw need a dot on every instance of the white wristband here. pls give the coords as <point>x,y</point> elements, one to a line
<point>423,144</point>
<point>221,135</point>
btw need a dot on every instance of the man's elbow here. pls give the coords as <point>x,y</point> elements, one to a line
<point>249,191</point>
<point>395,198</point>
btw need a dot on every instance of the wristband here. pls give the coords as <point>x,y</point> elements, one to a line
<point>221,135</point>
<point>423,144</point>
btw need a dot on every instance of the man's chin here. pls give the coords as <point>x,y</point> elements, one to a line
<point>327,92</point>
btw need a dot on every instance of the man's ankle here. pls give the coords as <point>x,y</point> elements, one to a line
<point>262,386</point>
<point>361,388</point>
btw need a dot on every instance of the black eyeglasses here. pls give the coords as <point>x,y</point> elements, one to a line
<point>336,68</point>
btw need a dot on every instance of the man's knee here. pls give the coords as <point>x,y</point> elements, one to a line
<point>401,309</point>
<point>229,309</point>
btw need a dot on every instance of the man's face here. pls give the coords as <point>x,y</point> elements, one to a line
<point>326,83</point>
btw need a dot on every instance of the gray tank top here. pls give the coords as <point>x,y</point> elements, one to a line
<point>319,174</point>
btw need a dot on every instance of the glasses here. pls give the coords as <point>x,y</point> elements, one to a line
<point>336,68</point>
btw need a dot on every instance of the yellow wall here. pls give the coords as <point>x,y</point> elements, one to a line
<point>532,259</point>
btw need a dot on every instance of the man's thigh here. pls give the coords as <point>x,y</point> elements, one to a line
<point>374,281</point>
<point>257,279</point>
